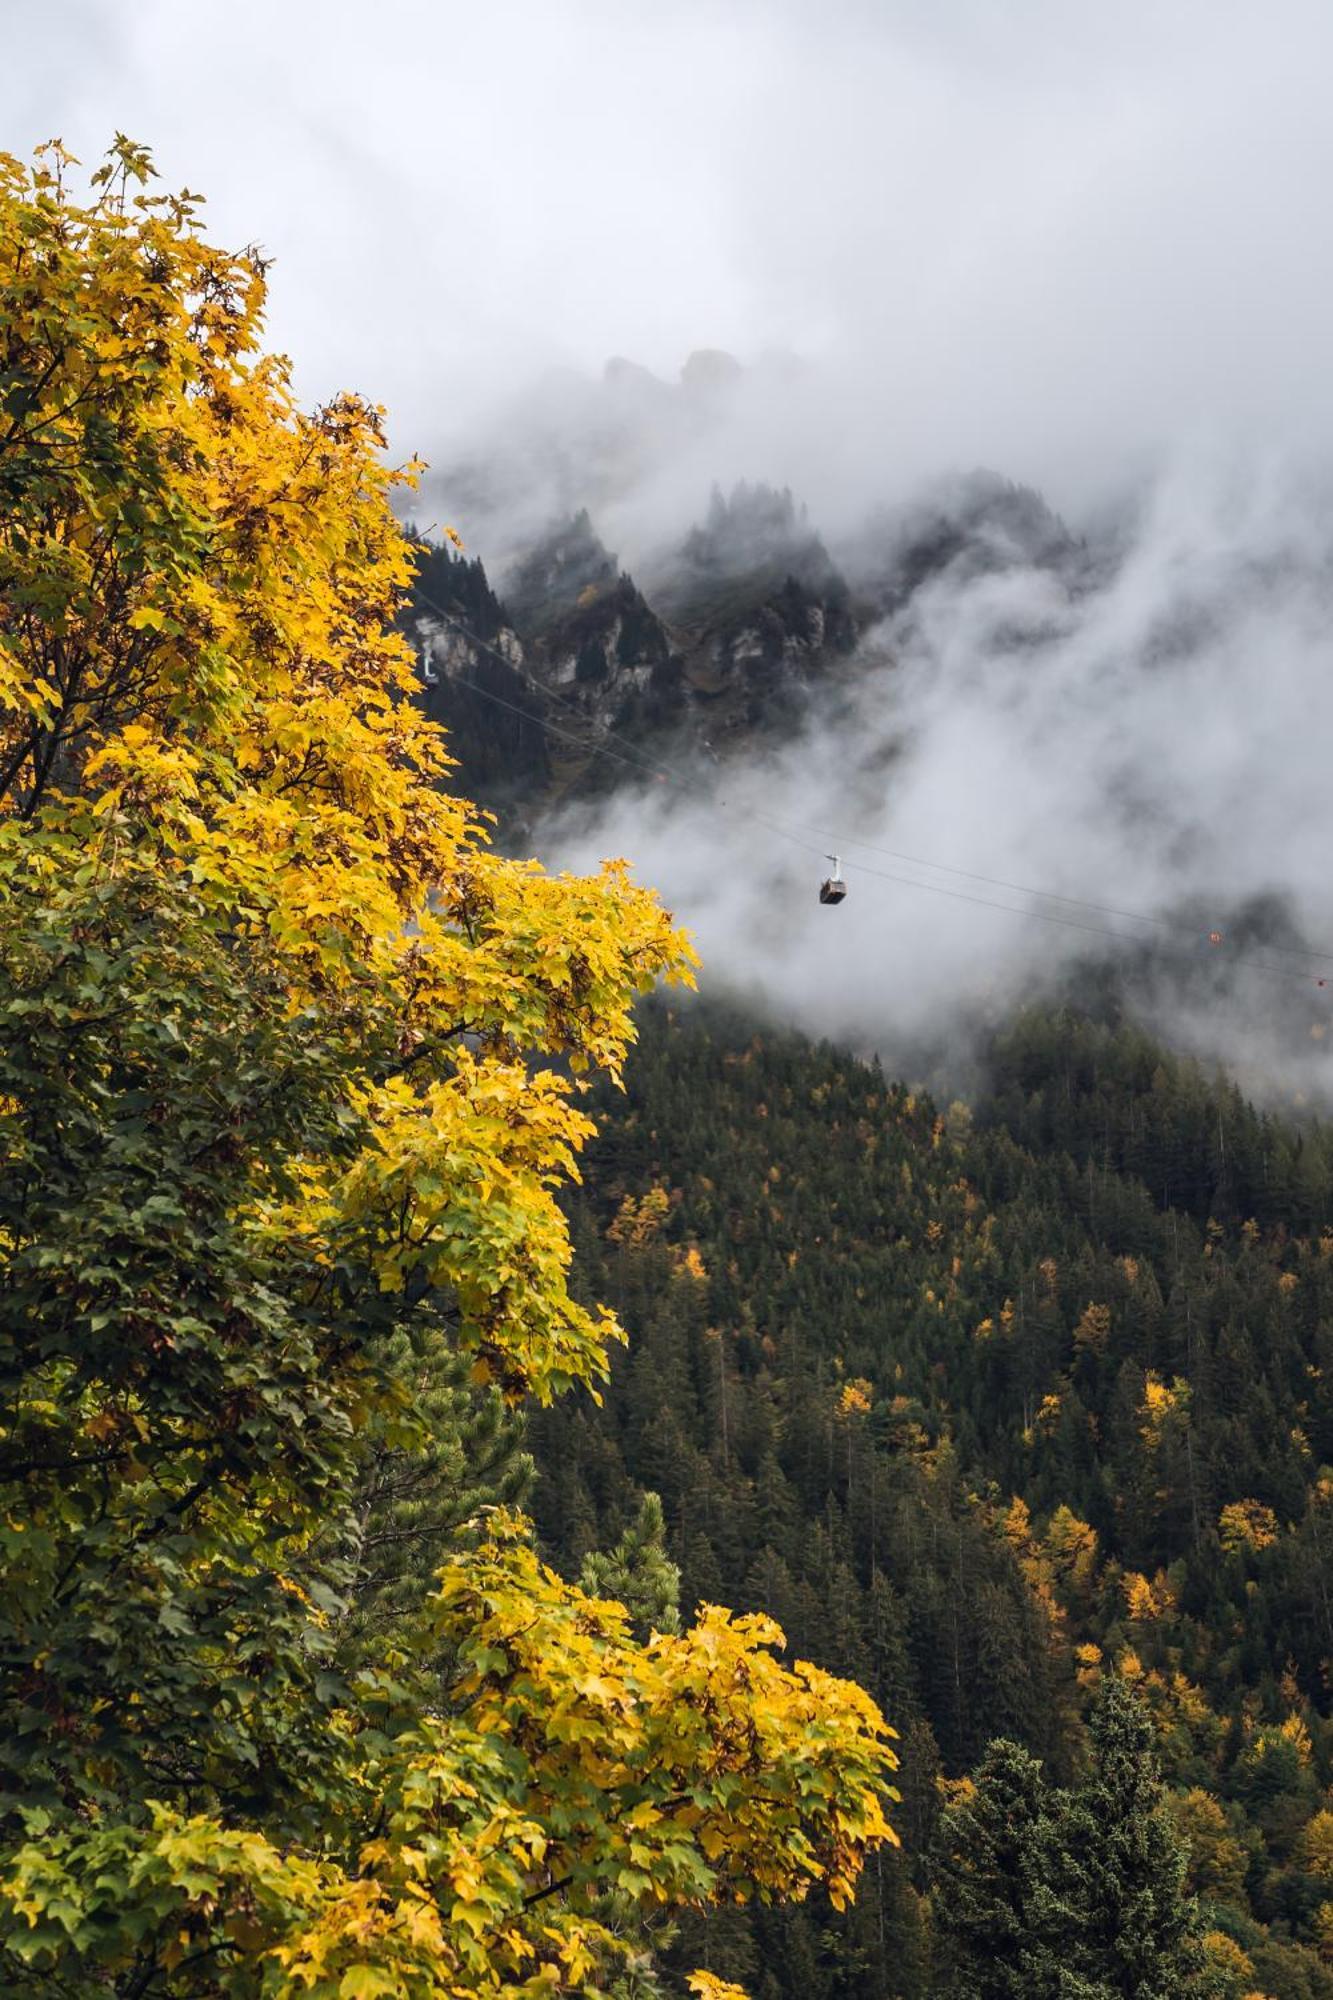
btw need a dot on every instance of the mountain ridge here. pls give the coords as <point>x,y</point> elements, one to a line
<point>741,628</point>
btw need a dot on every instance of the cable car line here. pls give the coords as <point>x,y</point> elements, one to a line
<point>1076,902</point>
<point>1283,972</point>
<point>631,755</point>
<point>565,735</point>
<point>630,758</point>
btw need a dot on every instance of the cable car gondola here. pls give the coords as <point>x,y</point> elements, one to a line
<point>833,888</point>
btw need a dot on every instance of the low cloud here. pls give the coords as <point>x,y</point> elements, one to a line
<point>1084,246</point>
<point>1052,239</point>
<point>1143,732</point>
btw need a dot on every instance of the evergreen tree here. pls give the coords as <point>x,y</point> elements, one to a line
<point>639,1572</point>
<point>898,1324</point>
<point>420,1485</point>
<point>1005,1930</point>
<point>1138,1932</point>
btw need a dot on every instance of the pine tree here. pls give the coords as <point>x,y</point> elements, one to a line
<point>639,1572</point>
<point>415,1498</point>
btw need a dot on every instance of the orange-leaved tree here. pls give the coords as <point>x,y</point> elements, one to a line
<point>289,1085</point>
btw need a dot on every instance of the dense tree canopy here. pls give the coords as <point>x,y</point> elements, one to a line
<point>1073,1892</point>
<point>984,1406</point>
<point>289,1083</point>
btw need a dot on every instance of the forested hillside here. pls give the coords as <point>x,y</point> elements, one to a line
<point>985,1406</point>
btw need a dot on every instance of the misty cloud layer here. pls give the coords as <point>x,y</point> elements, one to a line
<point>1152,737</point>
<point>1081,245</point>
<point>1053,239</point>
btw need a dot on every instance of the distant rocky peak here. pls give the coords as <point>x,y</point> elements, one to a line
<point>630,378</point>
<point>752,543</point>
<point>1013,517</point>
<point>751,520</point>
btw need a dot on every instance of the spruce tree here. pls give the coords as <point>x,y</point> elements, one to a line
<point>1138,1932</point>
<point>1004,1928</point>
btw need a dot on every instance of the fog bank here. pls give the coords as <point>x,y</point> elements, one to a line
<point>1152,738</point>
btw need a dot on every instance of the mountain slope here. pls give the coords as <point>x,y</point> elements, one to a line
<point>980,1410</point>
<point>746,620</point>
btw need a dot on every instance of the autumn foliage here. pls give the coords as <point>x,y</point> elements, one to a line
<point>289,1085</point>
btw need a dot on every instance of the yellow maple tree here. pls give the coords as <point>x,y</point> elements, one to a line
<point>206,722</point>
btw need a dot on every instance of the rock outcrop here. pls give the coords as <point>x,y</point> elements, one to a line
<point>745,625</point>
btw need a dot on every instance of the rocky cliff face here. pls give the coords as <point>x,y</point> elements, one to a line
<point>474,682</point>
<point>750,615</point>
<point>593,640</point>
<point>744,625</point>
<point>761,612</point>
<point>746,618</point>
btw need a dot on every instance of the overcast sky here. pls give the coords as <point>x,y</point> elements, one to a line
<point>1047,235</point>
<point>1074,241</point>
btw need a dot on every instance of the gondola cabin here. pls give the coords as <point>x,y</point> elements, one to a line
<point>833,888</point>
